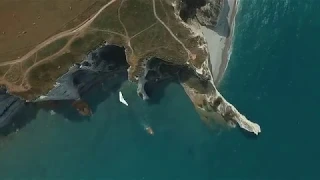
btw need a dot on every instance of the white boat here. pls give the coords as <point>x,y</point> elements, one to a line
<point>122,100</point>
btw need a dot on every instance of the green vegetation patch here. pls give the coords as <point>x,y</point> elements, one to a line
<point>158,42</point>
<point>4,69</point>
<point>137,15</point>
<point>151,39</point>
<point>52,48</point>
<point>93,40</point>
<point>45,75</point>
<point>92,9</point>
<point>165,12</point>
<point>28,62</point>
<point>14,73</point>
<point>88,42</point>
<point>108,19</point>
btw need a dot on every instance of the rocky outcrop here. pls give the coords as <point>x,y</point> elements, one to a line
<point>9,106</point>
<point>205,11</point>
<point>142,81</point>
<point>208,14</point>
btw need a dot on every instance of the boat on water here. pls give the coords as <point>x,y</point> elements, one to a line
<point>122,100</point>
<point>148,128</point>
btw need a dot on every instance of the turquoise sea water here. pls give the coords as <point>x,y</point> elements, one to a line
<point>272,78</point>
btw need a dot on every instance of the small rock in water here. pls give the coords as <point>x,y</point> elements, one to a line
<point>82,107</point>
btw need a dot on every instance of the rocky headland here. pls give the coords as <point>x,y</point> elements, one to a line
<point>185,41</point>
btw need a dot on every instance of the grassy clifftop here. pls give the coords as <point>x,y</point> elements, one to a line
<point>146,28</point>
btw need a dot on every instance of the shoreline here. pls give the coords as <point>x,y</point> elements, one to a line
<point>229,41</point>
<point>220,39</point>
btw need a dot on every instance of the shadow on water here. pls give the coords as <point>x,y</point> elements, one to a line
<point>162,73</point>
<point>93,97</point>
<point>20,120</point>
<point>107,70</point>
<point>156,90</point>
<point>97,86</point>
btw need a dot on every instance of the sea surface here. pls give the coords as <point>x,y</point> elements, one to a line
<point>272,78</point>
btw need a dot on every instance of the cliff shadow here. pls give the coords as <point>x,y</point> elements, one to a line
<point>160,75</point>
<point>189,8</point>
<point>99,91</point>
<point>20,119</point>
<point>100,75</point>
<point>156,90</point>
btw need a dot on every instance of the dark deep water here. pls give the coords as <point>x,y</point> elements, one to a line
<point>272,78</point>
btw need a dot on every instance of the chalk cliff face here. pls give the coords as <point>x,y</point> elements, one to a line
<point>107,60</point>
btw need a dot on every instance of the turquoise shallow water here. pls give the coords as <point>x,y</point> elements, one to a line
<point>272,78</point>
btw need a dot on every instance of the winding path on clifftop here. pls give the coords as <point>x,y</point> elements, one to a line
<point>190,55</point>
<point>69,32</point>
